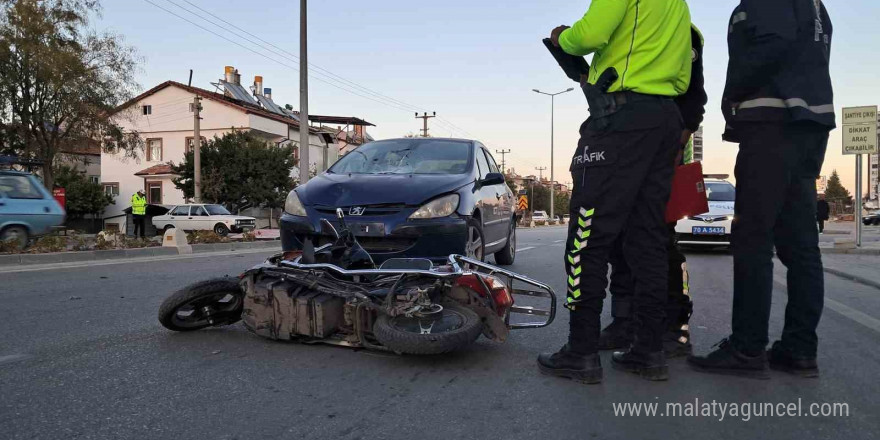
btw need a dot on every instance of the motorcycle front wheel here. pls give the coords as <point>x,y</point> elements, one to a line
<point>454,328</point>
<point>208,303</point>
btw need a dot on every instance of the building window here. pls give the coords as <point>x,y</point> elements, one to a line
<point>111,189</point>
<point>154,150</point>
<point>154,193</point>
<point>148,110</point>
<point>94,179</point>
<point>189,143</point>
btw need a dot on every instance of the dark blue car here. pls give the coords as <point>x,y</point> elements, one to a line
<point>410,198</point>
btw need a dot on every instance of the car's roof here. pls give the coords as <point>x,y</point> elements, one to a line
<point>717,181</point>
<point>15,173</point>
<point>428,139</point>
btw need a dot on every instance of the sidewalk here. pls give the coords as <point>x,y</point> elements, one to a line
<point>864,269</point>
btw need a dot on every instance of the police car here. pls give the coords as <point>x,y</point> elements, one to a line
<point>714,227</point>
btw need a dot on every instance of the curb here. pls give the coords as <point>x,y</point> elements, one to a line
<point>117,254</point>
<point>856,251</point>
<point>851,277</point>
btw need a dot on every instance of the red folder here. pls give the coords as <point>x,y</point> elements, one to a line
<point>688,196</point>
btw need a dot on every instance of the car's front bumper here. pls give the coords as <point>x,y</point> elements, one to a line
<point>687,235</point>
<point>383,237</point>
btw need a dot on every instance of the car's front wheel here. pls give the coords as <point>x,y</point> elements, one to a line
<point>221,229</point>
<point>507,254</point>
<point>475,246</point>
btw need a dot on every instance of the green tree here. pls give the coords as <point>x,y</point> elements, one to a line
<point>240,170</point>
<point>562,202</point>
<point>540,198</point>
<point>82,196</point>
<point>60,81</point>
<point>510,183</point>
<point>835,193</point>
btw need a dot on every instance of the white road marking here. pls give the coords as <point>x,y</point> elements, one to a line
<point>559,241</point>
<point>525,249</point>
<point>843,309</point>
<point>93,263</point>
<point>12,358</point>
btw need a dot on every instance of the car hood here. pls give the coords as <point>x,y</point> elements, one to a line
<point>721,208</point>
<point>338,190</point>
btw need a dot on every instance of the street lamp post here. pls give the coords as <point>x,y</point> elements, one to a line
<point>552,176</point>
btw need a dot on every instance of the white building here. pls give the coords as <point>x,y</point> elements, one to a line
<point>163,119</point>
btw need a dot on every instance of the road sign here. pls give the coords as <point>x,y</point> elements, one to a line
<point>523,204</point>
<point>860,130</point>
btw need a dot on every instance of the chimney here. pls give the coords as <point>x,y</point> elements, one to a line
<point>267,92</point>
<point>258,85</point>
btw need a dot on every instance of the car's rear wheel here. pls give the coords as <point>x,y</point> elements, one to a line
<point>221,229</point>
<point>507,254</point>
<point>475,245</point>
<point>166,229</point>
<point>18,235</point>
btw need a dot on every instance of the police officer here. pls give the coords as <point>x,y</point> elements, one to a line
<point>679,307</point>
<point>622,173</point>
<point>138,212</point>
<point>778,103</point>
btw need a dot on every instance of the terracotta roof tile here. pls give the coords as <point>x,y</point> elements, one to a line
<point>162,168</point>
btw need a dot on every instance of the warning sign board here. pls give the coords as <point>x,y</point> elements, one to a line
<point>860,130</point>
<point>523,203</point>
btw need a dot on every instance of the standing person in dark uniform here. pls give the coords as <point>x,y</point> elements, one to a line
<point>778,103</point>
<point>622,173</point>
<point>823,213</point>
<point>139,212</point>
<point>679,307</point>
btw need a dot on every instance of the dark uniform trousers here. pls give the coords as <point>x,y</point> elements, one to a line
<point>679,306</point>
<point>139,223</point>
<point>776,171</point>
<point>622,174</point>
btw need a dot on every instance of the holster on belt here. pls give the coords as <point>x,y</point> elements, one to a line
<point>601,103</point>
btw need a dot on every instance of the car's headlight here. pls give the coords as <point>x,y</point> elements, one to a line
<point>293,206</point>
<point>442,207</point>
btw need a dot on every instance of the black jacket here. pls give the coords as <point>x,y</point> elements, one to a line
<point>822,210</point>
<point>779,64</point>
<point>693,103</point>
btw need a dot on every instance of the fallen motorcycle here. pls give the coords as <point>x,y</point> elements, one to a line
<point>336,295</point>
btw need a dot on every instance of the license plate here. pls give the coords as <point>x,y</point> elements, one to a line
<point>709,230</point>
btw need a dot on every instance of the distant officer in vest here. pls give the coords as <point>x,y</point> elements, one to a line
<point>778,103</point>
<point>679,307</point>
<point>139,212</point>
<point>622,174</point>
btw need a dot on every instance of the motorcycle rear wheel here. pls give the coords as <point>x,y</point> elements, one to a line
<point>457,327</point>
<point>209,303</point>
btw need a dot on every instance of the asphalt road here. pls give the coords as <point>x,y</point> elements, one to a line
<point>83,356</point>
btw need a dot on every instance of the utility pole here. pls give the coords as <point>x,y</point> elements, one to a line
<point>552,118</point>
<point>197,149</point>
<point>541,173</point>
<point>424,119</point>
<point>503,154</point>
<point>303,94</point>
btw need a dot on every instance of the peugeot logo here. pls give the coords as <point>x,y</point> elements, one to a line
<point>356,210</point>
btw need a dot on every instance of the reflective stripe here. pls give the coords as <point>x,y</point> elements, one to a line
<point>742,16</point>
<point>574,259</point>
<point>576,293</point>
<point>575,270</point>
<point>583,234</point>
<point>786,103</point>
<point>573,281</point>
<point>585,223</point>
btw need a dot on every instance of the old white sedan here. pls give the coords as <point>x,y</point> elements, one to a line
<point>204,218</point>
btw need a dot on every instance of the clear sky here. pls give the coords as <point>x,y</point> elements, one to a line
<point>474,62</point>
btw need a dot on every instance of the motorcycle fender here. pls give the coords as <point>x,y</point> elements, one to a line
<point>494,327</point>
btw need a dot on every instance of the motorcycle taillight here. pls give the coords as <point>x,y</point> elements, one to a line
<point>498,291</point>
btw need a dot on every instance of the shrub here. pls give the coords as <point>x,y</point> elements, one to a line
<point>9,247</point>
<point>249,236</point>
<point>204,237</point>
<point>49,243</point>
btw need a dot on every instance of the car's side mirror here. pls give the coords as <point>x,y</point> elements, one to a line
<point>493,179</point>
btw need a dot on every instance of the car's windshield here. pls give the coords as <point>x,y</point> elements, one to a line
<point>721,192</point>
<point>406,156</point>
<point>216,210</point>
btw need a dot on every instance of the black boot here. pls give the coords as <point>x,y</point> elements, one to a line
<point>783,359</point>
<point>677,343</point>
<point>618,335</point>
<point>727,359</point>
<point>571,365</point>
<point>651,366</point>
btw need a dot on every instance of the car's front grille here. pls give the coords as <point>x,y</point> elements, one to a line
<point>366,210</point>
<point>377,244</point>
<point>704,238</point>
<point>709,218</point>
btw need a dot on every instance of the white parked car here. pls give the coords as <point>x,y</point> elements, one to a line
<point>540,216</point>
<point>712,228</point>
<point>204,218</point>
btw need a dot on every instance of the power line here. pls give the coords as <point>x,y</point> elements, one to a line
<point>346,86</point>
